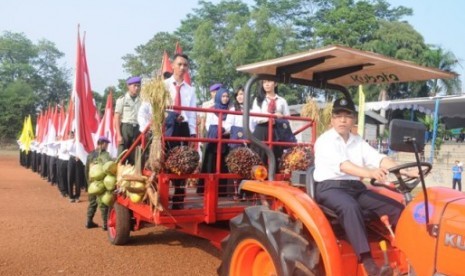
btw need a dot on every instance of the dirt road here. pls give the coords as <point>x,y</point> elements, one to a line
<point>41,233</point>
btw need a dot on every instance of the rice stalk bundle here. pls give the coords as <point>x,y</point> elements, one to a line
<point>156,93</point>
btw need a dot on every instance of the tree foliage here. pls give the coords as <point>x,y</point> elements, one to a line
<point>220,37</point>
<point>30,79</point>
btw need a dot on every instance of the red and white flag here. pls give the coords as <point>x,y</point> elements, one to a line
<point>86,119</point>
<point>166,65</point>
<point>106,127</point>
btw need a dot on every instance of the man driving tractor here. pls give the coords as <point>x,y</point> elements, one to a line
<point>341,160</point>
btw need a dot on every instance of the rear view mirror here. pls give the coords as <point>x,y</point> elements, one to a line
<point>403,133</point>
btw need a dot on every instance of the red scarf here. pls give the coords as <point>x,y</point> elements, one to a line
<point>271,105</point>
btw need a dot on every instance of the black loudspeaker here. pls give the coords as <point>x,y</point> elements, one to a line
<point>403,133</point>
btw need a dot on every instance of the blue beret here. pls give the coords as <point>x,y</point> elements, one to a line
<point>215,87</point>
<point>103,139</point>
<point>132,80</point>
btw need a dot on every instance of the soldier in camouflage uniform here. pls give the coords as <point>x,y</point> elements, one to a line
<point>99,155</point>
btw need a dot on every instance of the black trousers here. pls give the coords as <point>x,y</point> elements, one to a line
<point>62,176</point>
<point>179,130</point>
<point>44,165</point>
<point>261,133</point>
<point>74,191</point>
<point>52,169</point>
<point>33,161</point>
<point>348,198</point>
<point>209,166</point>
<point>130,132</point>
<point>458,183</point>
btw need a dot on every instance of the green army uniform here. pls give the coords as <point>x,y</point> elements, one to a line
<point>101,157</point>
<point>128,108</point>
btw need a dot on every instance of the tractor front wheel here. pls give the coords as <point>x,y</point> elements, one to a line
<point>265,242</point>
<point>119,224</point>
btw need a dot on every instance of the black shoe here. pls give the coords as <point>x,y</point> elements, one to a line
<point>91,224</point>
<point>371,267</point>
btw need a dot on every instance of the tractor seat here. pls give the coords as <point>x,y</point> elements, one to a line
<point>310,185</point>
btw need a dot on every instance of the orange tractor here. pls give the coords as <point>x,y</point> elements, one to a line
<point>282,230</point>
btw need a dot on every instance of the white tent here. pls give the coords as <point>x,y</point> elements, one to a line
<point>449,108</point>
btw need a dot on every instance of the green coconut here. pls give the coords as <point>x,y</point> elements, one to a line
<point>107,198</point>
<point>110,182</point>
<point>96,172</point>
<point>96,188</point>
<point>110,167</point>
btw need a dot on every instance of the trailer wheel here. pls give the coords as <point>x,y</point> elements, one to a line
<point>265,242</point>
<point>119,224</point>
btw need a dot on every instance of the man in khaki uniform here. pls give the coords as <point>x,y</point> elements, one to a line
<point>125,121</point>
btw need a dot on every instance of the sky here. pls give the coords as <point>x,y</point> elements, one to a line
<point>114,28</point>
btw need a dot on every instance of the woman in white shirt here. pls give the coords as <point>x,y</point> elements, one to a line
<point>268,102</point>
<point>234,120</point>
<point>210,153</point>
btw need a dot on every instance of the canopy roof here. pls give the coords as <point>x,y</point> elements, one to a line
<point>344,66</point>
<point>450,108</point>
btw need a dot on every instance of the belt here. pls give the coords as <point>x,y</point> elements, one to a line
<point>130,124</point>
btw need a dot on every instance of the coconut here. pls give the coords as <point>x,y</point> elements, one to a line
<point>96,172</point>
<point>135,197</point>
<point>110,167</point>
<point>107,198</point>
<point>96,188</point>
<point>110,182</point>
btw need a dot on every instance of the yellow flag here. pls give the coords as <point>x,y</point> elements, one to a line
<point>361,111</point>
<point>22,137</point>
<point>29,134</point>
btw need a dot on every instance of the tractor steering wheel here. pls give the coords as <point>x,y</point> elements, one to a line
<point>404,184</point>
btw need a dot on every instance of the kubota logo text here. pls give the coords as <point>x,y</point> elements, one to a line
<point>454,240</point>
<point>383,77</point>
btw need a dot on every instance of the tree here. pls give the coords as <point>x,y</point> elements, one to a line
<point>439,58</point>
<point>26,68</point>
<point>147,60</point>
<point>17,101</point>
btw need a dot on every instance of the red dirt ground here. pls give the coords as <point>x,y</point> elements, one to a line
<point>41,233</point>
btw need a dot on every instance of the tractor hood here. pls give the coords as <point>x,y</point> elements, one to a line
<point>451,240</point>
<point>441,249</point>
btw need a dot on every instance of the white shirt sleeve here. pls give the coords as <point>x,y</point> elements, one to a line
<point>144,115</point>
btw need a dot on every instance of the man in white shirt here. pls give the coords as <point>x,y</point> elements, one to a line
<point>184,122</point>
<point>341,160</point>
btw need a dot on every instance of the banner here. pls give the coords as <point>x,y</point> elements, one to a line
<point>361,111</point>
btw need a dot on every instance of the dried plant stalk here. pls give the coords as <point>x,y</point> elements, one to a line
<point>322,117</point>
<point>156,93</point>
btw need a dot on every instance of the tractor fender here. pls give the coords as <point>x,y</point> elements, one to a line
<point>306,210</point>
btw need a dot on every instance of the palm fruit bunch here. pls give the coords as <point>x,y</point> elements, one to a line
<point>130,184</point>
<point>182,160</point>
<point>241,160</point>
<point>103,181</point>
<point>300,158</point>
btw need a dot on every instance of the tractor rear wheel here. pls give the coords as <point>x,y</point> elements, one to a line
<point>119,224</point>
<point>265,242</point>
